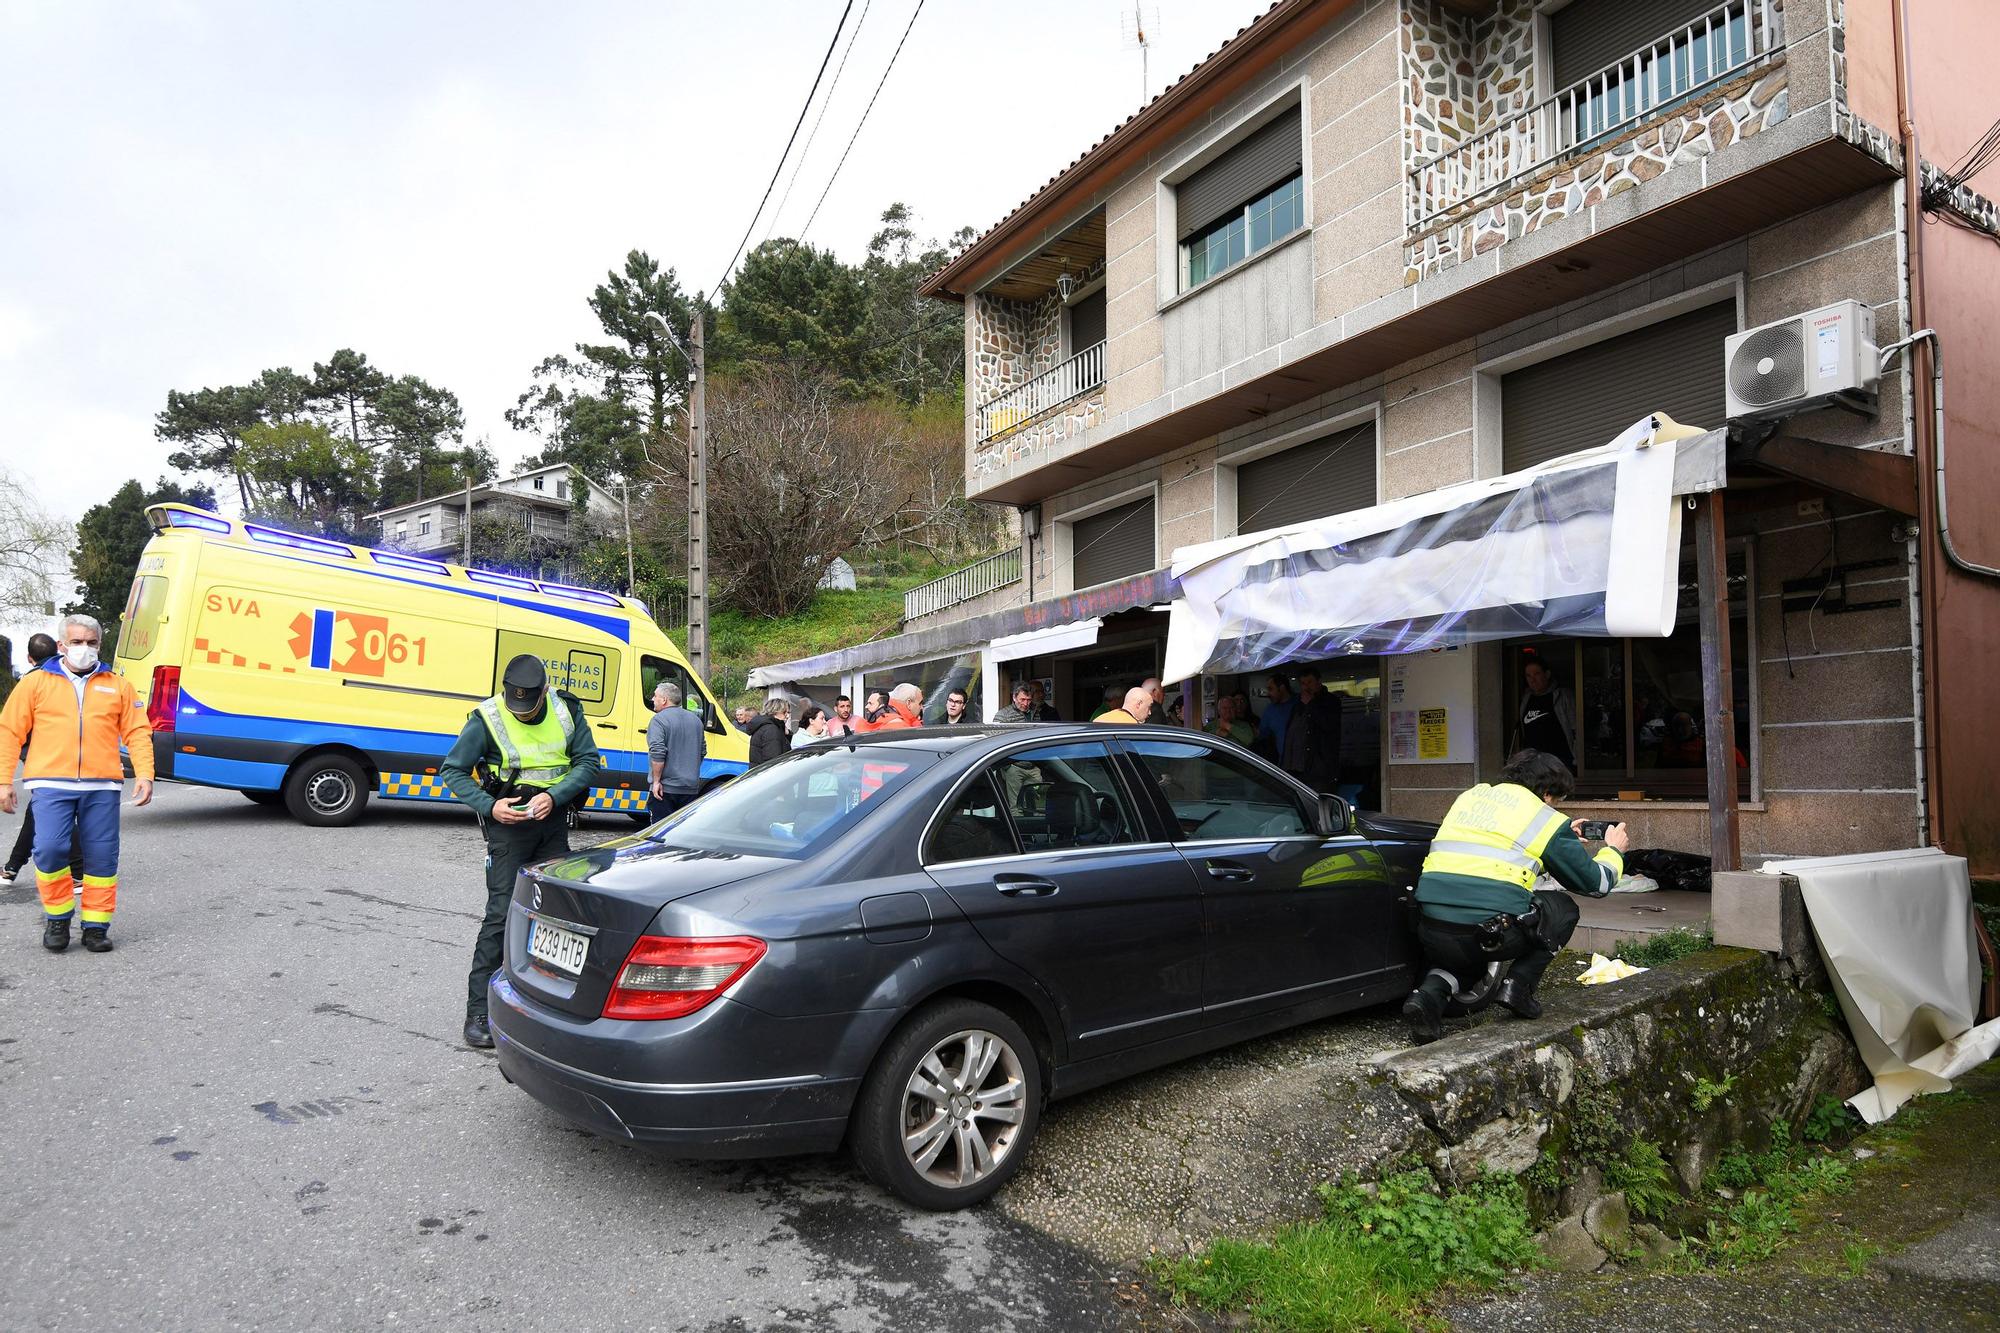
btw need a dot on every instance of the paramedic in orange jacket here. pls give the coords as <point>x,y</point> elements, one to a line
<point>72,712</point>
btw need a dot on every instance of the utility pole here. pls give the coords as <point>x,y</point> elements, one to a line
<point>625,500</point>
<point>466,557</point>
<point>698,503</point>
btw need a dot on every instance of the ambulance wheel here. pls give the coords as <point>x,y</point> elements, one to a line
<point>326,791</point>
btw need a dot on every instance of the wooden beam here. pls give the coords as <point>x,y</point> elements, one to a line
<point>1883,479</point>
<point>1718,687</point>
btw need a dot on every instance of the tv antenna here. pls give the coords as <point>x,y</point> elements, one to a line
<point>1139,24</point>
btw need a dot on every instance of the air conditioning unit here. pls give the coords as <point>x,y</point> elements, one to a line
<point>1823,358</point>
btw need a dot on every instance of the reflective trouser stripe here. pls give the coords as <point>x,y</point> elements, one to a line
<point>58,890</point>
<point>100,899</point>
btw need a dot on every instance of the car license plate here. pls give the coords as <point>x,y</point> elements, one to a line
<point>559,948</point>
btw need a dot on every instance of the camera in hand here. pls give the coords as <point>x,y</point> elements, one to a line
<point>1593,829</point>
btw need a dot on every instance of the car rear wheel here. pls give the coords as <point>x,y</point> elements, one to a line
<point>326,791</point>
<point>950,1107</point>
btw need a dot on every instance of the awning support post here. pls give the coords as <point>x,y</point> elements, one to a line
<point>1711,545</point>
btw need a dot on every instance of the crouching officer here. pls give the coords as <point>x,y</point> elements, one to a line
<point>524,757</point>
<point>1477,894</point>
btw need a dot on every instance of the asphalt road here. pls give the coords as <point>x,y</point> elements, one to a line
<point>256,1113</point>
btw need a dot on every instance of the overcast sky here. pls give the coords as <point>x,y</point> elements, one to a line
<point>194,192</point>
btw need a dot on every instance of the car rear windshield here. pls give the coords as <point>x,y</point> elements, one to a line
<point>794,804</point>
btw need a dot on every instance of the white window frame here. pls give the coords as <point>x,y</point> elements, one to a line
<point>1226,463</point>
<point>424,526</point>
<point>1062,533</point>
<point>1167,245</point>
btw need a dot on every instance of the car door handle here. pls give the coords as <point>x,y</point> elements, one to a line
<point>607,726</point>
<point>1024,886</point>
<point>1231,871</point>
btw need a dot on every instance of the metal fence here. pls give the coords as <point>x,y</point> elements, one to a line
<point>1673,69</point>
<point>962,585</point>
<point>1058,384</point>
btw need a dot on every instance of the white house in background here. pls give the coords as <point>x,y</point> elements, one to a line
<point>542,497</point>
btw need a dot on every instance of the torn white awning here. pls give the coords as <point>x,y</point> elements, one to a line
<point>1054,639</point>
<point>1588,544</point>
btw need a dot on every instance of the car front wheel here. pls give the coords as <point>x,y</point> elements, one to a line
<point>950,1107</point>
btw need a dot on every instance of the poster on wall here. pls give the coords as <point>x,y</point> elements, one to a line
<point>1430,707</point>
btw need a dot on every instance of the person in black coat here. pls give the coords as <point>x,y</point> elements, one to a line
<point>1312,736</point>
<point>768,738</point>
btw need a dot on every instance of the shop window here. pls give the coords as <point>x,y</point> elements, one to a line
<point>1629,711</point>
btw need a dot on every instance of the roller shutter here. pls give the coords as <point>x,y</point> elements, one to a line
<point>1268,157</point>
<point>1326,476</point>
<point>1585,398</point>
<point>1112,544</point>
<point>1591,34</point>
<point>1086,322</point>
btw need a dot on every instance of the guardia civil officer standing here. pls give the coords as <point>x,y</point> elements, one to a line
<point>524,757</point>
<point>1477,890</point>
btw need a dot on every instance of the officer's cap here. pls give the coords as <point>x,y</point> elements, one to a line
<point>524,681</point>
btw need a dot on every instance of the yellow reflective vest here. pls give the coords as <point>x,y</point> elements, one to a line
<point>532,754</point>
<point>1495,842</point>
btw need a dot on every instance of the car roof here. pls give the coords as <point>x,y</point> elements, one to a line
<point>950,740</point>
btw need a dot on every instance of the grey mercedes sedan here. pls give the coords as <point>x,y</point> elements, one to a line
<point>910,942</point>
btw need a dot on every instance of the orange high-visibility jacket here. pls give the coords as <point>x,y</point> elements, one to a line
<point>65,743</point>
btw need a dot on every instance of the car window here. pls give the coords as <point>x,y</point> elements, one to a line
<point>1062,796</point>
<point>971,827</point>
<point>653,670</point>
<point>793,804</point>
<point>1219,795</point>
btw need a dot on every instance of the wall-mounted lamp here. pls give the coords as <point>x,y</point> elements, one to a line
<point>1065,284</point>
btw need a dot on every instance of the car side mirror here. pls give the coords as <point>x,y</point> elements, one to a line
<point>1336,815</point>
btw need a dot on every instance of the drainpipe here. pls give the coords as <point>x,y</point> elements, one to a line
<point>1923,439</point>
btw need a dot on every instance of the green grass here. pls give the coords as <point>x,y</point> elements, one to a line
<point>1665,947</point>
<point>1371,1262</point>
<point>1768,1188</point>
<point>834,619</point>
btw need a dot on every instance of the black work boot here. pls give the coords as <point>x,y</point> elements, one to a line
<point>1424,1010</point>
<point>477,1034</point>
<point>55,935</point>
<point>1518,994</point>
<point>97,939</point>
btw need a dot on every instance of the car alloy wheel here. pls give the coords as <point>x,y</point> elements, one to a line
<point>946,1114</point>
<point>963,1108</point>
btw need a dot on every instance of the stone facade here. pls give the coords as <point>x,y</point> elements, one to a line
<point>1016,443</point>
<point>1465,79</point>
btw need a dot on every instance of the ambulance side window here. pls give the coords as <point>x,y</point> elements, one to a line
<point>653,670</point>
<point>590,675</point>
<point>143,608</point>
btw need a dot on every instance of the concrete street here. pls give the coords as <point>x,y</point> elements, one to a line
<point>256,1113</point>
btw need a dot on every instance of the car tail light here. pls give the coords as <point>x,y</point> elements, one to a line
<point>667,977</point>
<point>164,704</point>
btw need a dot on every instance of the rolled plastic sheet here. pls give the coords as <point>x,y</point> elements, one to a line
<point>1895,929</point>
<point>1588,544</point>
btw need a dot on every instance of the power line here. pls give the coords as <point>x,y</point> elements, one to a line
<point>811,137</point>
<point>778,170</point>
<point>864,118</point>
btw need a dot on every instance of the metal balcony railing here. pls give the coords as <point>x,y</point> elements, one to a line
<point>962,585</point>
<point>1054,386</point>
<point>1668,72</point>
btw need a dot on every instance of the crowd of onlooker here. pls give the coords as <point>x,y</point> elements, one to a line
<point>1299,730</point>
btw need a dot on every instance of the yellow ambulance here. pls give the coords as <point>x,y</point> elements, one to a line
<point>311,673</point>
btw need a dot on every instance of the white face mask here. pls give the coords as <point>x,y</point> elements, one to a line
<point>80,656</point>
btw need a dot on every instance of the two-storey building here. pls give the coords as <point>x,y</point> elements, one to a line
<point>1371,248</point>
<point>542,502</point>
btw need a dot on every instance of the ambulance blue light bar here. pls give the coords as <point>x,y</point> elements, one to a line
<point>591,595</point>
<point>500,580</point>
<point>409,562</point>
<point>181,518</point>
<point>278,537</point>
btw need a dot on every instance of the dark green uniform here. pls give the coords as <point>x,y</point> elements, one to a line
<point>511,846</point>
